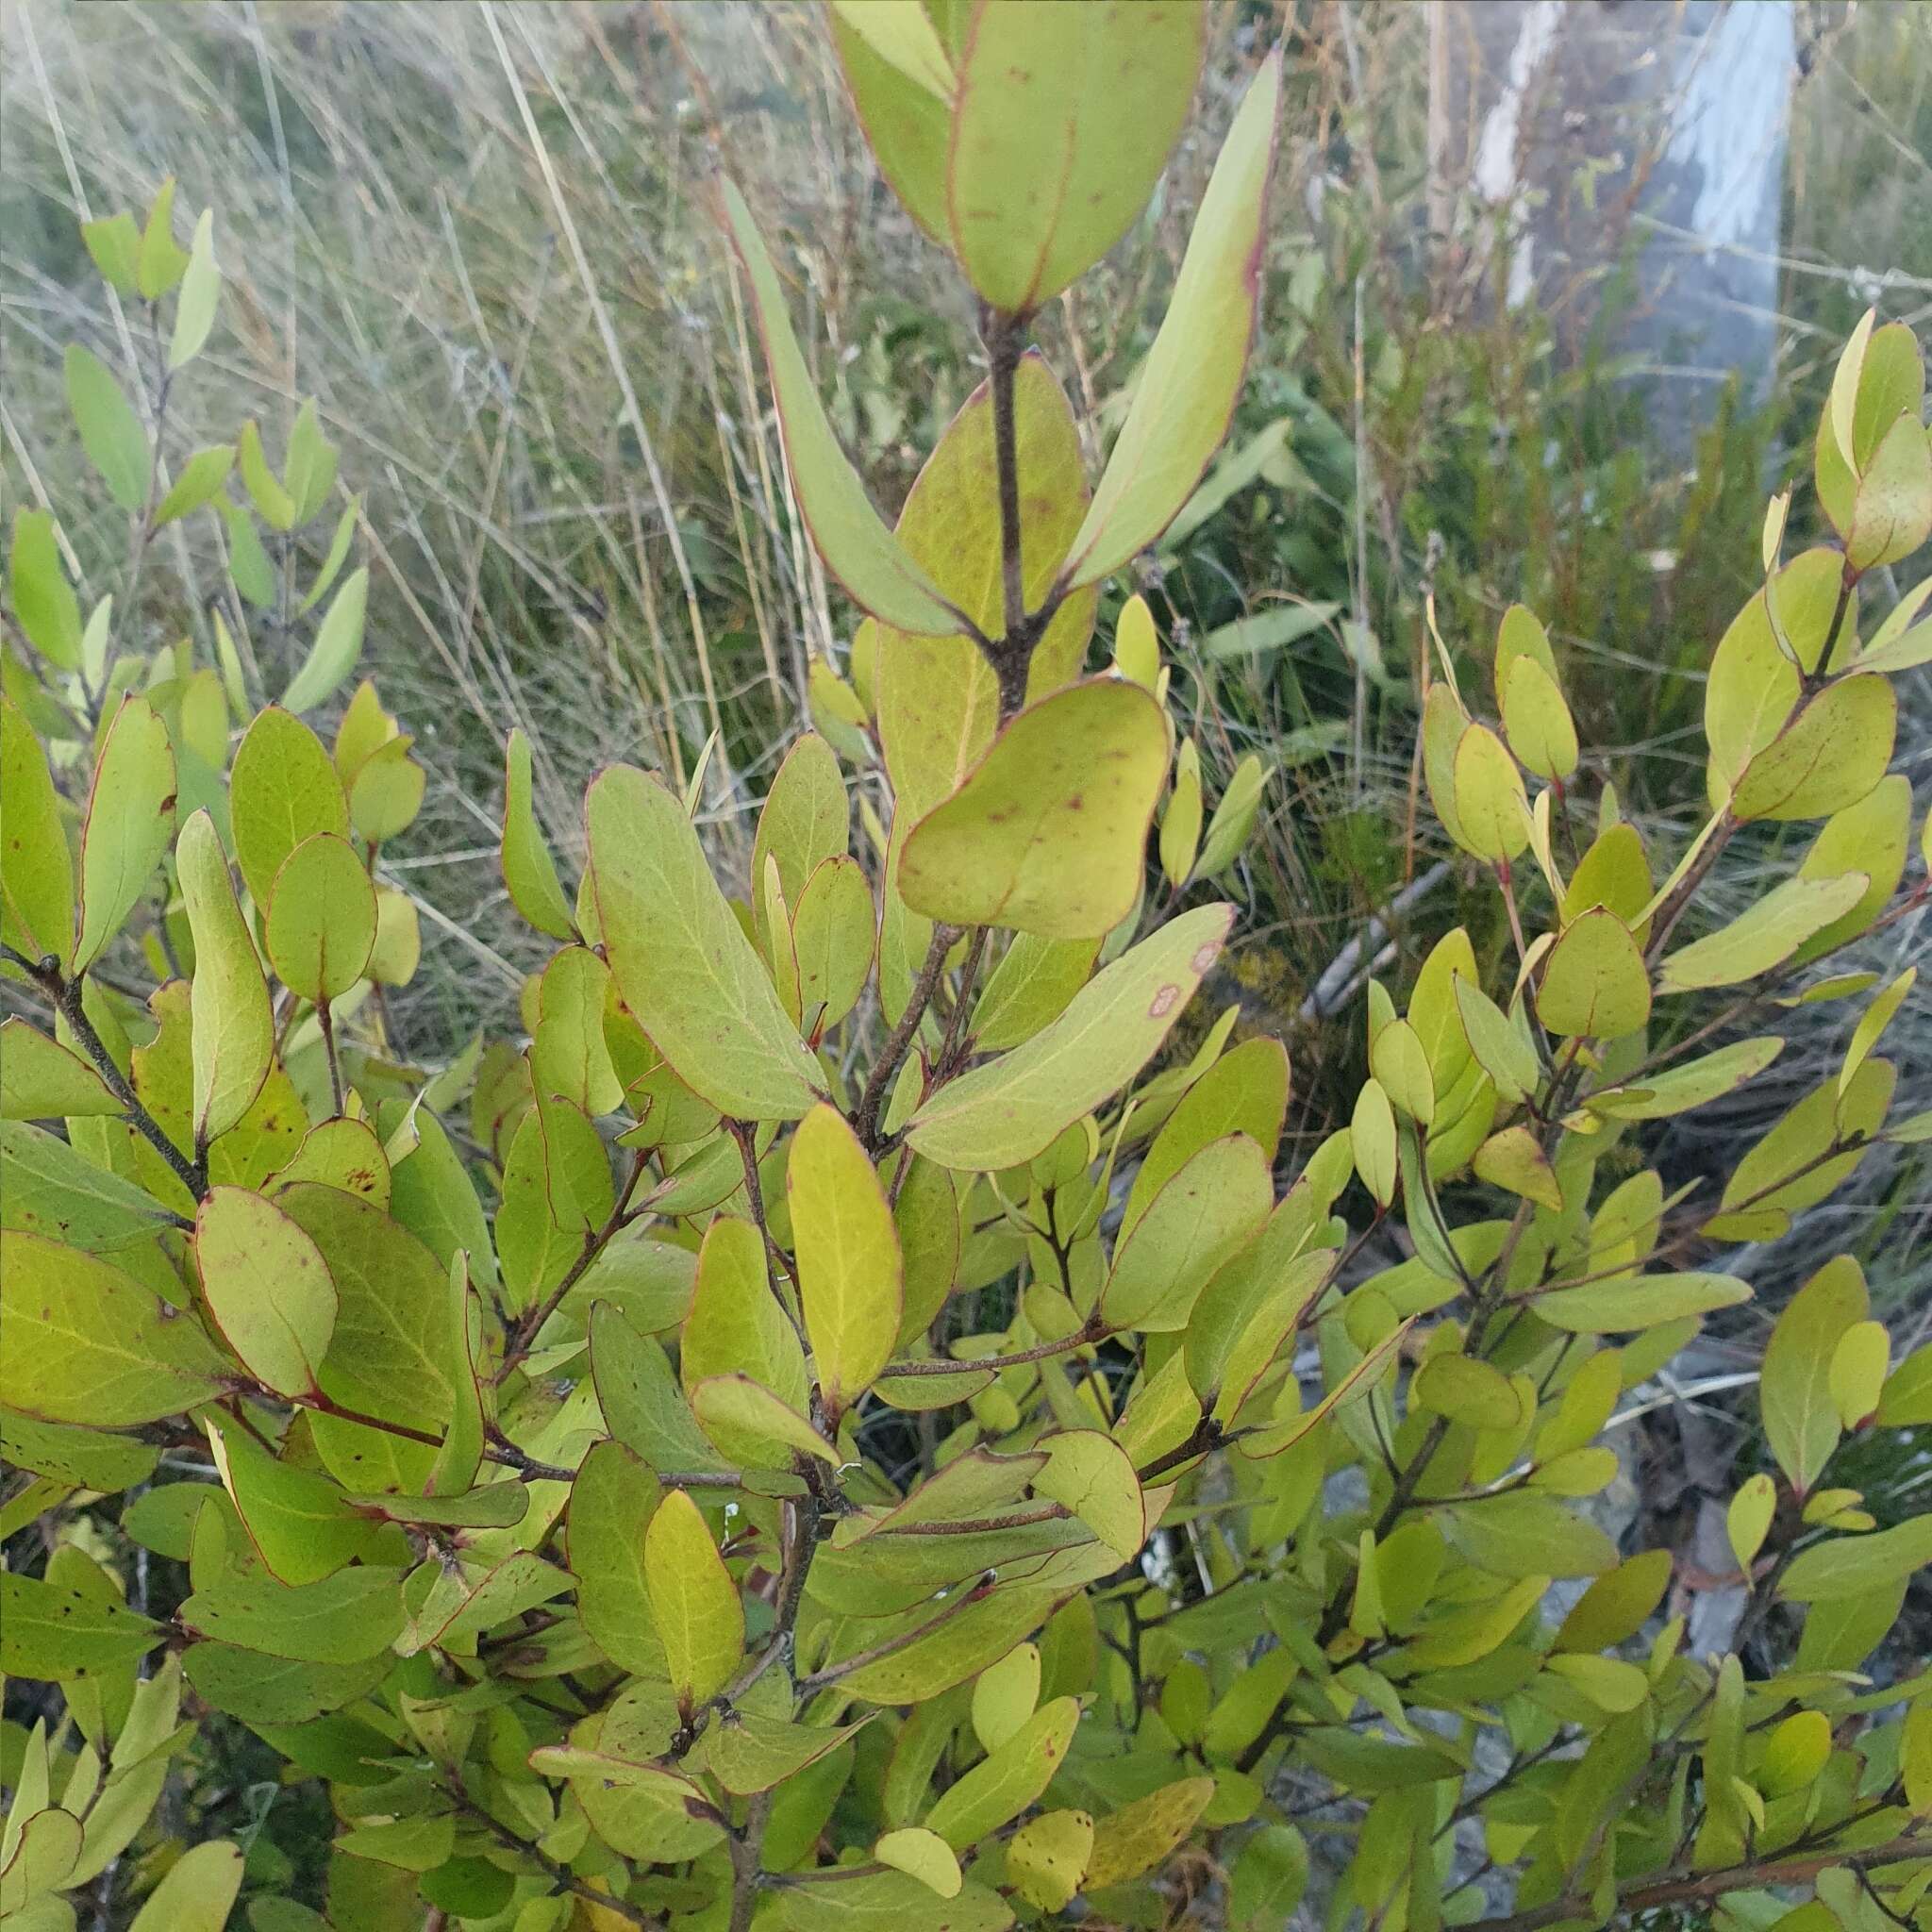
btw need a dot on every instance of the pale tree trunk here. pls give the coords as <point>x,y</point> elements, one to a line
<point>1569,137</point>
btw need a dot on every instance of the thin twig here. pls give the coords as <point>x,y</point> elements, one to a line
<point>1682,1887</point>
<point>1082,1338</point>
<point>66,994</point>
<point>865,1119</point>
<point>892,1645</point>
<point>595,1242</point>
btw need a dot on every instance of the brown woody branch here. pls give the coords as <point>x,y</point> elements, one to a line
<point>1682,1888</point>
<point>65,994</point>
<point>595,1242</point>
<point>879,1082</point>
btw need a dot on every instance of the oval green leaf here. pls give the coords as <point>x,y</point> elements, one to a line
<point>1048,833</point>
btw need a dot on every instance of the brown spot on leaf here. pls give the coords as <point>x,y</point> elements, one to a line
<point>1163,1002</point>
<point>1206,955</point>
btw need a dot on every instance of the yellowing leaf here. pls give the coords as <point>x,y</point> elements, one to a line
<point>694,1601</point>
<point>1372,1135</point>
<point>1595,985</point>
<point>1644,1302</point>
<point>1091,1474</point>
<point>849,1270</point>
<point>1180,824</point>
<point>1747,1521</point>
<point>1401,1064</point>
<point>1135,644</point>
<point>1762,938</point>
<point>738,1407</point>
<point>1139,1836</point>
<point>1678,1089</point>
<point>1521,638</point>
<point>1046,1858</point>
<point>925,1856</point>
<point>234,1035</point>
<point>1062,125</point>
<point>88,1344</point>
<point>1795,1752</point>
<point>938,699</point>
<point>386,793</point>
<point>1613,874</point>
<point>1048,833</point>
<point>1858,1367</point>
<point>805,818</point>
<point>1467,1391</point>
<point>267,1286</point>
<point>1005,1781</point>
<point>1537,721</point>
<point>1892,511</point>
<point>1754,681</point>
<point>1012,1109</point>
<point>683,964</point>
<point>1801,1420</point>
<point>901,32</point>
<point>1444,724</point>
<point>41,1080</point>
<point>612,1502</point>
<point>197,1893</point>
<point>1842,406</point>
<point>1005,1694</point>
<point>284,788</point>
<point>832,938</point>
<point>1828,756</point>
<point>1514,1159</point>
<point>321,923</point>
<point>1031,986</point>
<point>1492,811</point>
<point>858,548</point>
<point>908,125</point>
<point>570,1054</point>
<point>129,824</point>
<point>1244,1091</point>
<point>1200,1216</point>
<point>36,867</point>
<point>1617,1604</point>
<point>1193,374</point>
<point>527,869</point>
<point>1610,1683</point>
<point>737,1322</point>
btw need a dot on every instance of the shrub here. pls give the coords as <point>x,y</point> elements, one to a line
<point>861,1466</point>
